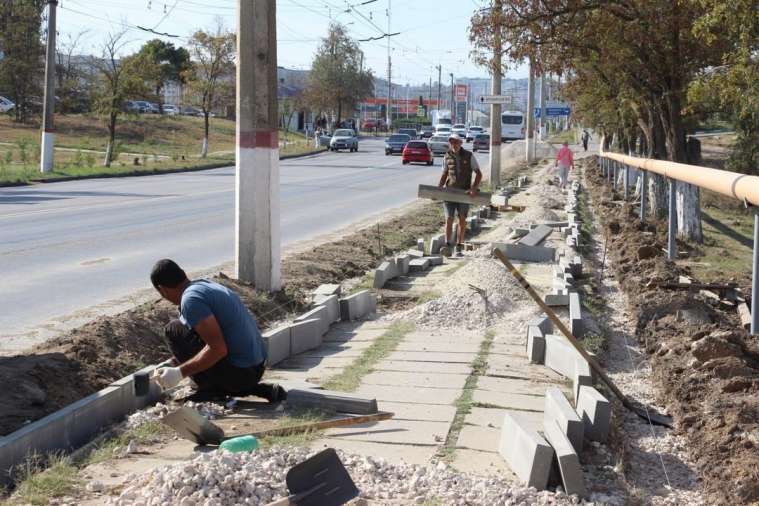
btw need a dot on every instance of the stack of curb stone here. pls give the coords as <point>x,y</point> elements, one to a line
<point>306,331</point>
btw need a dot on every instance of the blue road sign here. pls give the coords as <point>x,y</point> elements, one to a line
<point>553,111</point>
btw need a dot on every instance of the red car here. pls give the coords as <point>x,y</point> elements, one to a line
<point>417,151</point>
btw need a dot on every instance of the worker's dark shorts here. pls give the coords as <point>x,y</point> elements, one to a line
<point>453,208</point>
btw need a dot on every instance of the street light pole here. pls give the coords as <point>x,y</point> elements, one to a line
<point>257,241</point>
<point>530,126</point>
<point>495,109</point>
<point>389,114</point>
<point>453,103</point>
<point>48,105</point>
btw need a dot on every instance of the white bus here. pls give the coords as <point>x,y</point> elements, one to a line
<point>512,125</point>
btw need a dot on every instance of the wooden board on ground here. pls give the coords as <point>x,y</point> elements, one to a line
<point>453,195</point>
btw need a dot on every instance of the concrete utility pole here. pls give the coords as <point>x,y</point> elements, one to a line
<point>453,101</point>
<point>439,87</point>
<point>257,254</point>
<point>389,114</point>
<point>48,105</point>
<point>529,130</point>
<point>429,100</point>
<point>495,109</point>
<point>543,118</point>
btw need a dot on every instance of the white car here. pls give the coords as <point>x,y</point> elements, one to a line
<point>443,130</point>
<point>459,129</point>
<point>473,132</point>
<point>6,105</point>
<point>171,110</point>
<point>438,144</point>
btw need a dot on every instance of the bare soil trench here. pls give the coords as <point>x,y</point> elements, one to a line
<point>88,358</point>
<point>704,366</point>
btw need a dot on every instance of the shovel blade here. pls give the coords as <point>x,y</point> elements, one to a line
<point>321,480</point>
<point>191,425</point>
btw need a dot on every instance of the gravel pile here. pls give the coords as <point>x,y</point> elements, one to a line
<point>153,413</point>
<point>459,305</point>
<point>221,478</point>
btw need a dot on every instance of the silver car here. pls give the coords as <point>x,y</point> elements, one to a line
<point>438,144</point>
<point>344,138</point>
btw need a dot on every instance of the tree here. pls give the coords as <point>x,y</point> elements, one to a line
<point>116,80</point>
<point>337,81</point>
<point>21,67</point>
<point>71,78</point>
<point>163,63</point>
<point>211,74</point>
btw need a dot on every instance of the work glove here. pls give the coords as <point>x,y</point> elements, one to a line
<point>168,377</point>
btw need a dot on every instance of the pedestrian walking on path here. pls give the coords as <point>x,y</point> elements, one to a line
<point>585,139</point>
<point>458,166</point>
<point>215,341</point>
<point>565,161</point>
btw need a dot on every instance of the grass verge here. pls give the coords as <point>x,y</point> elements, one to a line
<point>46,479</point>
<point>146,433</point>
<point>350,378</point>
<point>464,403</point>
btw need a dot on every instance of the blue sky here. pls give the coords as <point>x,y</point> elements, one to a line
<point>432,31</point>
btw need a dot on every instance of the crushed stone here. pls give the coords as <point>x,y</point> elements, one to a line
<point>220,478</point>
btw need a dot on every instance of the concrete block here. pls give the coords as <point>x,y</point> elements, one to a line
<point>499,200</point>
<point>566,458</point>
<point>436,244</point>
<point>556,224</point>
<point>330,289</point>
<point>525,451</point>
<point>332,304</point>
<point>575,266</point>
<point>402,263</point>
<point>358,305</point>
<point>434,260</point>
<point>329,400</point>
<point>419,264</point>
<point>277,344</point>
<point>595,411</point>
<point>582,376</point>
<point>536,235</point>
<point>526,253</point>
<point>575,316</point>
<point>381,275</point>
<point>561,356</point>
<point>305,335</point>
<point>559,411</point>
<point>415,253</point>
<point>555,299</point>
<point>317,313</point>
<point>420,244</point>
<point>536,344</point>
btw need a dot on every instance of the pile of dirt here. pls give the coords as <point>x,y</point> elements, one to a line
<point>90,357</point>
<point>706,368</point>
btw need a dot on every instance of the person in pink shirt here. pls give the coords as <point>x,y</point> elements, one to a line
<point>564,160</point>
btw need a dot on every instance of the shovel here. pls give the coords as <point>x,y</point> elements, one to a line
<point>193,426</point>
<point>321,480</point>
<point>645,412</point>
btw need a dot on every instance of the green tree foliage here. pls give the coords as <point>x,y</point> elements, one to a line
<point>163,62</point>
<point>337,82</point>
<point>210,78</point>
<point>21,68</point>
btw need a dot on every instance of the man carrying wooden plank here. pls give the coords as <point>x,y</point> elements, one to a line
<point>458,166</point>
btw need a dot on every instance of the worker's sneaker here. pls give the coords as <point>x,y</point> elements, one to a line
<point>459,250</point>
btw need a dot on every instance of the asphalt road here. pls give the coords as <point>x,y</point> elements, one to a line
<point>66,247</point>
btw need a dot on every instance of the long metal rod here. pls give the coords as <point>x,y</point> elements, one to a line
<point>755,278</point>
<point>672,222</point>
<point>643,184</point>
<point>614,177</point>
<point>626,170</point>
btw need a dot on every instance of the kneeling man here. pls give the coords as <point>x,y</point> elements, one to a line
<point>215,341</point>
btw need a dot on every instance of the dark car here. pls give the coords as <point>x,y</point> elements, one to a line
<point>395,143</point>
<point>411,132</point>
<point>427,132</point>
<point>481,142</point>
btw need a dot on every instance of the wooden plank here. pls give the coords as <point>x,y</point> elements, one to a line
<point>453,195</point>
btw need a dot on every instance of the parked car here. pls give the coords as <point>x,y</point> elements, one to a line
<point>190,111</point>
<point>170,110</point>
<point>459,129</point>
<point>427,132</point>
<point>417,151</point>
<point>370,124</point>
<point>395,143</point>
<point>481,142</point>
<point>344,138</point>
<point>411,132</point>
<point>473,132</point>
<point>6,105</point>
<point>438,144</point>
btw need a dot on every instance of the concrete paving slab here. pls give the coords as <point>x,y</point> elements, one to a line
<point>519,402</point>
<point>437,337</point>
<point>483,464</point>
<point>493,417</point>
<point>415,379</point>
<point>394,453</point>
<point>419,411</point>
<point>425,356</point>
<point>345,346</point>
<point>505,365</point>
<point>308,362</point>
<point>394,432</point>
<point>423,367</point>
<point>475,437</point>
<point>511,385</point>
<point>508,349</point>
<point>443,396</point>
<point>443,347</point>
<point>339,336</point>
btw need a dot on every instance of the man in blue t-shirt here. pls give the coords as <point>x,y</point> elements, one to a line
<point>215,341</point>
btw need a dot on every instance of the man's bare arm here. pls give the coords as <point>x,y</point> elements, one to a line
<point>443,178</point>
<point>477,180</point>
<point>215,349</point>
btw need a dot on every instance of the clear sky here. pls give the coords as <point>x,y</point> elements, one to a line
<point>432,31</point>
